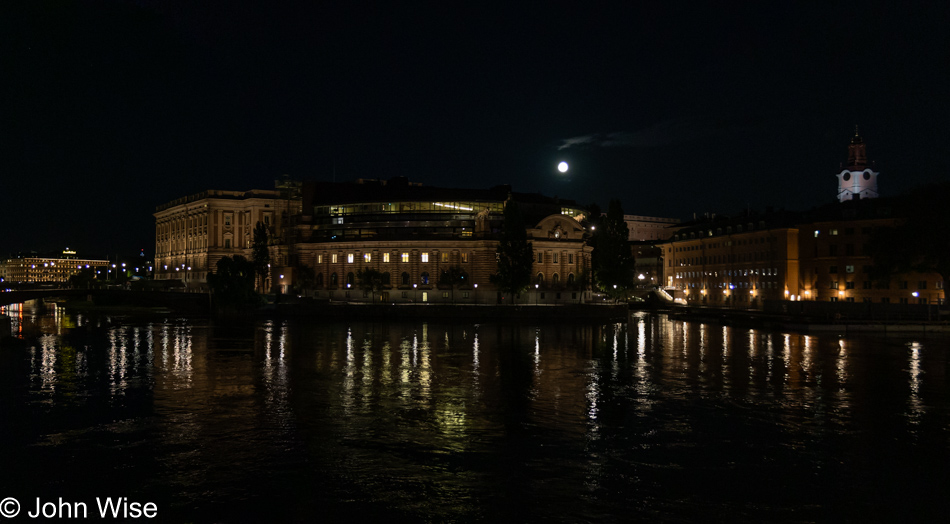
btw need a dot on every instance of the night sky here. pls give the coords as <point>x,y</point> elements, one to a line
<point>110,108</point>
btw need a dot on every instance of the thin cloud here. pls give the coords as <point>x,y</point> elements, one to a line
<point>662,134</point>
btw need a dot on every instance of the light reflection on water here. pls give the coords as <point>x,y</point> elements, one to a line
<point>666,420</point>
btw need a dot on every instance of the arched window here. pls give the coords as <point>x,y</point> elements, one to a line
<point>333,280</point>
<point>570,279</point>
<point>319,279</point>
<point>405,278</point>
<point>555,280</point>
<point>424,278</point>
<point>540,279</point>
<point>349,278</point>
<point>386,278</point>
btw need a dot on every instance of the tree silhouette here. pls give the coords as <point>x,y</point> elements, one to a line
<point>613,263</point>
<point>515,254</point>
<point>260,254</point>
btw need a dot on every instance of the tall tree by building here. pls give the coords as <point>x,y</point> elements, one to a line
<point>611,258</point>
<point>369,280</point>
<point>260,255</point>
<point>515,254</point>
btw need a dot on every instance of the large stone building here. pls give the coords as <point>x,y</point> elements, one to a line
<point>738,261</point>
<point>644,228</point>
<point>821,255</point>
<point>428,244</point>
<point>192,233</point>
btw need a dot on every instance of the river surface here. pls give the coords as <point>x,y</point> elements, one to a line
<point>646,420</point>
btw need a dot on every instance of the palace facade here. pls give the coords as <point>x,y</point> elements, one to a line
<point>192,233</point>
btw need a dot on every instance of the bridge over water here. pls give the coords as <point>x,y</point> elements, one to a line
<point>197,303</point>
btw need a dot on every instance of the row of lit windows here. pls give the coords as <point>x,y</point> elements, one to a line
<point>422,207</point>
<point>408,207</point>
<point>765,272</point>
<point>721,259</point>
<point>765,284</point>
<point>727,243</point>
<point>403,257</point>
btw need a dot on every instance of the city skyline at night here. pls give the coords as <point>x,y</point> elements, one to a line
<point>115,107</point>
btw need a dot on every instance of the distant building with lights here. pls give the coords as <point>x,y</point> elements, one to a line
<point>644,228</point>
<point>47,268</point>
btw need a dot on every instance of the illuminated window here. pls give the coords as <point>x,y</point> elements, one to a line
<point>425,257</point>
<point>349,258</point>
<point>386,257</point>
<point>464,258</point>
<point>319,259</point>
<point>367,257</point>
<point>445,257</point>
<point>405,257</point>
<point>333,258</point>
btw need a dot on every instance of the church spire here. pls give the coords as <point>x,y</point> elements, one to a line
<point>857,152</point>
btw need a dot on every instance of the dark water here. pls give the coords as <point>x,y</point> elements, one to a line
<point>649,420</point>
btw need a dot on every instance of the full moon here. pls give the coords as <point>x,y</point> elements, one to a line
<point>562,167</point>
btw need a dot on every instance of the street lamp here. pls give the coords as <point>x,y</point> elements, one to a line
<point>536,294</point>
<point>475,297</point>
<point>415,295</point>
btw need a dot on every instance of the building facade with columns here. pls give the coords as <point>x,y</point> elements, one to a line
<point>192,233</point>
<point>430,244</point>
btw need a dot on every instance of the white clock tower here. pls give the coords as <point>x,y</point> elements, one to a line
<point>857,180</point>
